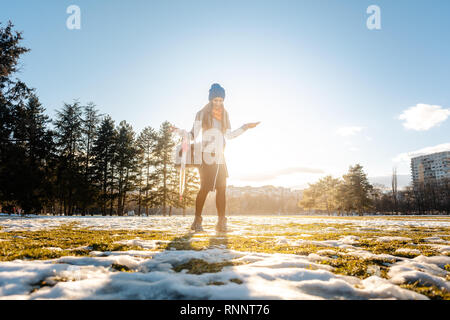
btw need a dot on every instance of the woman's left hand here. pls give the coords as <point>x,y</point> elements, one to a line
<point>252,124</point>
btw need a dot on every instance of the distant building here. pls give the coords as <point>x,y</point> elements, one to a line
<point>430,167</point>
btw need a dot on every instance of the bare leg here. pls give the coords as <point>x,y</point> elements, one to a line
<point>200,201</point>
<point>220,201</point>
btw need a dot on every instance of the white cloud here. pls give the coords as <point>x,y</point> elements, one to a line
<point>348,131</point>
<point>406,156</point>
<point>423,116</point>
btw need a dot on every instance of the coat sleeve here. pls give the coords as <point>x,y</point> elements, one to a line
<point>196,127</point>
<point>231,134</point>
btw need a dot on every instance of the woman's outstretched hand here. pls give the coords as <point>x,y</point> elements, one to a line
<point>178,131</point>
<point>252,124</point>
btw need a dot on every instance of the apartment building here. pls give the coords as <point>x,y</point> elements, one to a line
<point>430,167</point>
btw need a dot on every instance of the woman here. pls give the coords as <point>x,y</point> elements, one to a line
<point>214,122</point>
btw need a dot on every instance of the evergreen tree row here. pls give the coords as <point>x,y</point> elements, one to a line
<point>81,162</point>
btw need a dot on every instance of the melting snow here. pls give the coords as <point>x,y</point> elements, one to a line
<point>263,275</point>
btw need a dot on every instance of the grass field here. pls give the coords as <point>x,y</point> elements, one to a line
<point>261,257</point>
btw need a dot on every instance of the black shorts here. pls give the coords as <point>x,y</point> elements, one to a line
<point>210,173</point>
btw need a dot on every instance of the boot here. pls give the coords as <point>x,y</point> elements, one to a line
<point>197,224</point>
<point>221,225</point>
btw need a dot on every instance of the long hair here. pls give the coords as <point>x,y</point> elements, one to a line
<point>207,117</point>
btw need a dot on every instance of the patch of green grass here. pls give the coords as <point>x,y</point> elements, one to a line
<point>220,283</point>
<point>431,292</point>
<point>33,253</point>
<point>216,283</point>
<point>49,282</point>
<point>316,233</point>
<point>183,243</point>
<point>121,267</point>
<point>266,244</point>
<point>285,228</point>
<point>408,255</point>
<point>41,284</point>
<point>199,266</point>
<point>236,280</point>
<point>357,267</point>
<point>34,244</point>
<point>390,247</point>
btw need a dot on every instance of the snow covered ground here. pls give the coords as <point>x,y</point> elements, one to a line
<point>179,223</point>
<point>150,272</point>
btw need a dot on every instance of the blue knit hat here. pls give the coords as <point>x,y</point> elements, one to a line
<point>216,91</point>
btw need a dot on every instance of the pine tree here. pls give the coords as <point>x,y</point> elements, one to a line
<point>13,92</point>
<point>32,179</point>
<point>147,142</point>
<point>139,177</point>
<point>163,164</point>
<point>69,131</point>
<point>357,189</point>
<point>104,153</point>
<point>126,163</point>
<point>91,119</point>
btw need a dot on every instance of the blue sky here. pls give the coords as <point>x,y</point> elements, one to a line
<point>328,91</point>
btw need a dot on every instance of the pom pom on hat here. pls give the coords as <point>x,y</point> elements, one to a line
<point>216,91</point>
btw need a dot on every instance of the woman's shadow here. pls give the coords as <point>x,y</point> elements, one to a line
<point>184,242</point>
